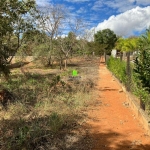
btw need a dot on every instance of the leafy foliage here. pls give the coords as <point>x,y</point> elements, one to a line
<point>13,23</point>
<point>142,62</point>
<point>95,47</point>
<point>118,68</point>
<point>106,37</point>
<point>140,71</point>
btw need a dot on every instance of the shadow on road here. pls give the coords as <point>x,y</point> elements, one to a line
<point>109,140</point>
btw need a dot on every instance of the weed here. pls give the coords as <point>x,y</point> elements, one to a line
<point>55,121</point>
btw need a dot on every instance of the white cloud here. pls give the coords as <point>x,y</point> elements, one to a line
<point>63,35</point>
<point>81,10</point>
<point>132,1</point>
<point>74,1</point>
<point>143,2</point>
<point>132,19</point>
<point>120,5</point>
<point>71,8</point>
<point>98,5</point>
<point>125,24</point>
<point>43,2</point>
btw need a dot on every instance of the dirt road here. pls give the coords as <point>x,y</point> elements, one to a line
<point>112,124</point>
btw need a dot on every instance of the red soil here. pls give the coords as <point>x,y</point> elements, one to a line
<point>112,124</point>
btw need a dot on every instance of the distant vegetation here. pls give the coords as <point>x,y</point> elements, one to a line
<point>27,30</point>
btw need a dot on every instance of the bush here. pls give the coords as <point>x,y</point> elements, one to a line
<point>139,77</point>
<point>118,68</point>
<point>142,69</point>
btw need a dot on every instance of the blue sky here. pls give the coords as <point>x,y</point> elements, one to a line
<point>124,17</point>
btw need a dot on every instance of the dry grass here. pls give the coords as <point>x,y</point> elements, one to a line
<point>47,106</point>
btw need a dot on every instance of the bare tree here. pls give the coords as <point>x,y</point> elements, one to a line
<point>65,47</point>
<point>51,21</point>
<point>55,22</point>
<point>70,44</point>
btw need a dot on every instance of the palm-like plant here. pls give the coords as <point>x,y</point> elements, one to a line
<point>127,45</point>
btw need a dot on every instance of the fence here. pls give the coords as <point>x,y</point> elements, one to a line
<point>123,70</point>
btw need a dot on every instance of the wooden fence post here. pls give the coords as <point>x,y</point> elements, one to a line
<point>128,71</point>
<point>142,105</point>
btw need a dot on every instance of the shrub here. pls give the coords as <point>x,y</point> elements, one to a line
<point>142,69</point>
<point>118,68</point>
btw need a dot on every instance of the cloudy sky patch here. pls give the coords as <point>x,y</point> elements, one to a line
<point>124,17</point>
<point>125,24</point>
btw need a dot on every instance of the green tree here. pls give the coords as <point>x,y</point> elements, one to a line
<point>33,43</point>
<point>126,45</point>
<point>129,44</point>
<point>107,38</point>
<point>13,22</point>
<point>95,47</point>
<point>67,47</point>
<point>119,46</point>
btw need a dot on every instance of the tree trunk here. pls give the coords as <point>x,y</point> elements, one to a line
<point>93,53</point>
<point>60,63</point>
<point>100,59</point>
<point>49,61</point>
<point>10,59</point>
<point>65,63</point>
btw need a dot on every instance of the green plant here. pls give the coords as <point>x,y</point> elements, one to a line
<point>12,25</point>
<point>138,90</point>
<point>118,68</point>
<point>55,121</point>
<point>142,69</point>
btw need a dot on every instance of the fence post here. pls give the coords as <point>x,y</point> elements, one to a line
<point>128,71</point>
<point>121,56</point>
<point>142,105</point>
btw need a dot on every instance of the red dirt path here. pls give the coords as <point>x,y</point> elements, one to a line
<point>112,124</point>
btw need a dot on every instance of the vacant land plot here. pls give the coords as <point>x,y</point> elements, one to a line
<point>48,107</point>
